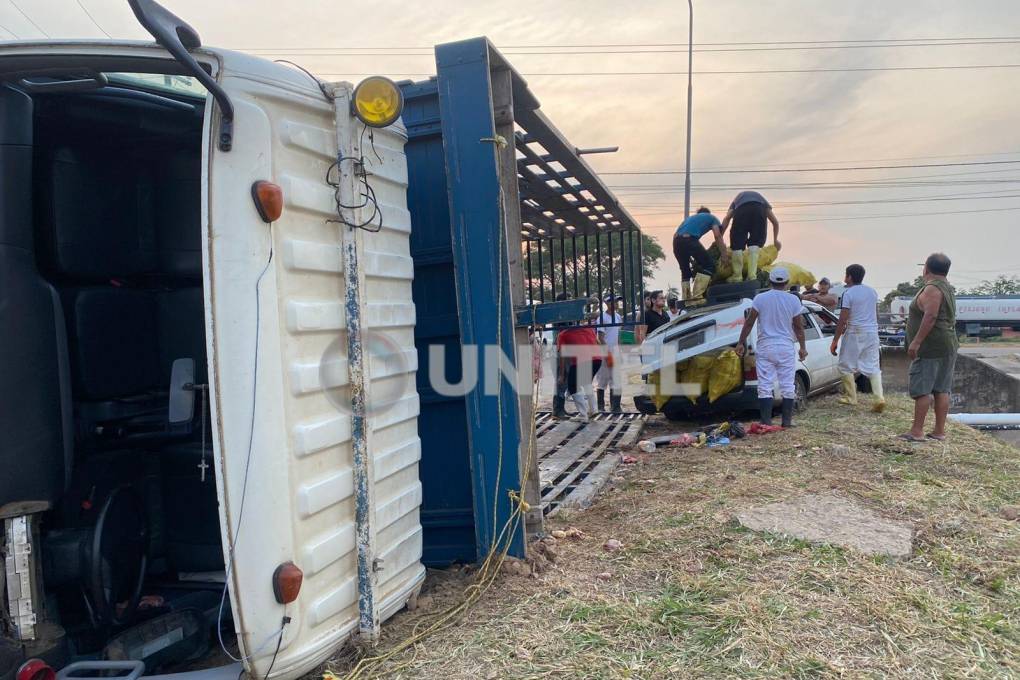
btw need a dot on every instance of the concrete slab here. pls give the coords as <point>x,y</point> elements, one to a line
<point>833,519</point>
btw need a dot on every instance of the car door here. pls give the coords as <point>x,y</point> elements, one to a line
<point>818,363</point>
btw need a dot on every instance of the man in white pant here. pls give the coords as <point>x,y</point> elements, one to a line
<point>778,315</point>
<point>858,328</point>
<point>607,378</point>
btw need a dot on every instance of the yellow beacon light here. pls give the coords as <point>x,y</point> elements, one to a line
<point>378,101</point>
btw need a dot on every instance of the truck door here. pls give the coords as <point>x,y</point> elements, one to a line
<point>279,311</point>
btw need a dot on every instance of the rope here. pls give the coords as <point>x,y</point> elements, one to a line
<point>369,667</point>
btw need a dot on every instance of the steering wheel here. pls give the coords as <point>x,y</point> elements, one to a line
<point>117,559</point>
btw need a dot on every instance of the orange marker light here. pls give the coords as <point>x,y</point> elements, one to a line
<point>268,199</point>
<point>287,582</point>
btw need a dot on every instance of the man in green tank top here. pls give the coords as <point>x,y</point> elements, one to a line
<point>932,346</point>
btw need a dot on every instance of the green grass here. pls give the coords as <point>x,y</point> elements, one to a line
<point>693,594</point>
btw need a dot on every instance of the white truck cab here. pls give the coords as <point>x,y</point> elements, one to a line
<point>211,450</point>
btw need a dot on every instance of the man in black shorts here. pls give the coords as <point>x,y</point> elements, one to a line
<point>749,212</point>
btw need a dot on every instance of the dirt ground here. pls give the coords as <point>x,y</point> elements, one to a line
<point>691,593</point>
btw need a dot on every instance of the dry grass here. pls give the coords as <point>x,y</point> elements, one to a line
<point>692,594</point>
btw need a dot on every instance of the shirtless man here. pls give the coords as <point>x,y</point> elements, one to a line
<point>823,297</point>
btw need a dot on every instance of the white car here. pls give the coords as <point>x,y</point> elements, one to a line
<point>713,328</point>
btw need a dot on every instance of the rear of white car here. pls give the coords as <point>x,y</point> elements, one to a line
<point>714,328</point>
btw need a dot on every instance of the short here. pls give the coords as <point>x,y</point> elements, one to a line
<point>750,226</point>
<point>931,375</point>
<point>687,249</point>
<point>859,353</point>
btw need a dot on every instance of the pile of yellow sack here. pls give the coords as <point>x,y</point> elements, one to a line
<point>724,270</point>
<point>766,261</point>
<point>714,375</point>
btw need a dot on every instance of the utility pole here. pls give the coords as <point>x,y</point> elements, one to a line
<point>690,81</point>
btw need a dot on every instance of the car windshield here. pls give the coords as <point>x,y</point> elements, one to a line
<point>179,85</point>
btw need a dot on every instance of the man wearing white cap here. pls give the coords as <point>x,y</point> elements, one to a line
<point>609,333</point>
<point>778,315</point>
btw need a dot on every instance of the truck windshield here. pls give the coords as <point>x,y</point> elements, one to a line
<point>179,85</point>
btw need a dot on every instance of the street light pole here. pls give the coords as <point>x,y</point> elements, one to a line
<point>690,80</point>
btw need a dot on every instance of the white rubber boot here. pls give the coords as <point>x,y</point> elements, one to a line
<point>752,263</point>
<point>876,388</point>
<point>582,406</point>
<point>737,259</point>
<point>849,390</point>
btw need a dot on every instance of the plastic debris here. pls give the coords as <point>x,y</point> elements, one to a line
<point>758,428</point>
<point>612,545</point>
<point>646,446</point>
<point>628,460</point>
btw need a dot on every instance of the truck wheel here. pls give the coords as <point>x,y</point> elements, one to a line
<point>801,387</point>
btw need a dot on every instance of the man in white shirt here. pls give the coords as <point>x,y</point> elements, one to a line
<point>858,327</point>
<point>605,378</point>
<point>778,315</point>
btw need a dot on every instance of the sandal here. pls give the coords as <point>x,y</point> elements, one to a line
<point>936,437</point>
<point>911,438</point>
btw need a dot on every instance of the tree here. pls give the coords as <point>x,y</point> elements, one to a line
<point>1001,285</point>
<point>586,268</point>
<point>904,289</point>
<point>672,292</point>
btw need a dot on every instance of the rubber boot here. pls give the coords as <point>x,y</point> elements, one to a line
<point>614,401</point>
<point>558,407</point>
<point>737,258</point>
<point>582,406</point>
<point>765,407</point>
<point>787,412</point>
<point>876,388</point>
<point>849,390</point>
<point>600,396</point>
<point>701,283</point>
<point>752,263</point>
<point>685,290</point>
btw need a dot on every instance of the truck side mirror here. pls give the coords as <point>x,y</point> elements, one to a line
<point>182,392</point>
<point>178,38</point>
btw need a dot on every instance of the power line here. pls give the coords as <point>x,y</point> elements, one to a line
<point>326,52</point>
<point>868,217</point>
<point>93,19</point>
<point>16,36</point>
<point>679,45</point>
<point>912,166</point>
<point>864,69</point>
<point>22,13</point>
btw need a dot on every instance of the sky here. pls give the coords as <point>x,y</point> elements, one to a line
<point>953,119</point>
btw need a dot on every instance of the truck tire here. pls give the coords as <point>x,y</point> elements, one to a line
<point>731,292</point>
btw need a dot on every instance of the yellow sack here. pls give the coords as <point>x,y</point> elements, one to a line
<point>696,375</point>
<point>798,275</point>
<point>658,398</point>
<point>725,375</point>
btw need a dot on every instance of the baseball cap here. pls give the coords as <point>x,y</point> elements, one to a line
<point>825,279</point>
<point>779,275</point>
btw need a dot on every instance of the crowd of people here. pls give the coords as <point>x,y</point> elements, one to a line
<point>585,370</point>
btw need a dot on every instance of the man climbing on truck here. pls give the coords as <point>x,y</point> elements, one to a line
<point>749,213</point>
<point>858,328</point>
<point>778,315</point>
<point>691,255</point>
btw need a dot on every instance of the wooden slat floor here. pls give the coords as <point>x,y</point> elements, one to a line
<point>576,459</point>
